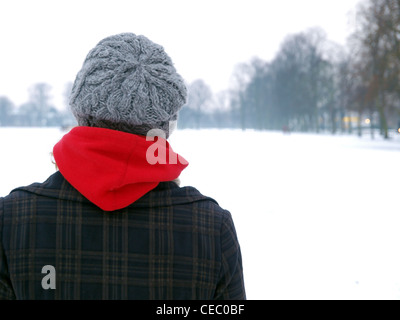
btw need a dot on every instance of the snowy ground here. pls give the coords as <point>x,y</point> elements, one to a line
<point>318,217</point>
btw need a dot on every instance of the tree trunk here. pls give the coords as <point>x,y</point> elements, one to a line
<point>242,113</point>
<point>316,120</point>
<point>359,130</point>
<point>350,127</point>
<point>371,123</point>
<point>382,118</point>
<point>333,120</point>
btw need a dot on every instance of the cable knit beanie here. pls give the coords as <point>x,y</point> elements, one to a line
<point>128,83</point>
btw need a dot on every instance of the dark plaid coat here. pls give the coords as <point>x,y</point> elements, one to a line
<point>173,243</point>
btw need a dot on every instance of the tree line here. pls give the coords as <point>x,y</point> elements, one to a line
<point>38,111</point>
<point>313,84</point>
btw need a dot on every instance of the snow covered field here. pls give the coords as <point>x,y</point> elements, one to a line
<point>317,216</point>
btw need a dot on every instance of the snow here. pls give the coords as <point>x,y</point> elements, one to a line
<point>317,216</point>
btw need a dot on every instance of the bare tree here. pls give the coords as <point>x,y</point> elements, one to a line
<point>377,44</point>
<point>303,79</point>
<point>241,77</point>
<point>39,99</point>
<point>6,109</point>
<point>199,98</point>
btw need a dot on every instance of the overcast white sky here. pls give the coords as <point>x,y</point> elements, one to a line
<point>47,40</point>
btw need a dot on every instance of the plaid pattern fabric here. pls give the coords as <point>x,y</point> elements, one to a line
<point>173,243</point>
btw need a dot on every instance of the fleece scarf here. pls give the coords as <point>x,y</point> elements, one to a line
<point>113,169</point>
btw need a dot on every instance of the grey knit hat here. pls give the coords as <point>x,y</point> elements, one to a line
<point>128,83</point>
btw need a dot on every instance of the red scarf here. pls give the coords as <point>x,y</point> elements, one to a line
<point>113,169</point>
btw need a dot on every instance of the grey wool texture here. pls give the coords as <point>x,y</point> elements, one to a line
<point>128,83</point>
